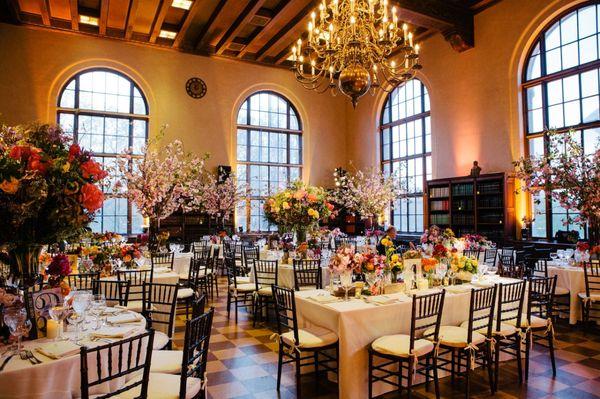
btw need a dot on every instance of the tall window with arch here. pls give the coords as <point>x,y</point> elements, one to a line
<point>405,137</point>
<point>561,92</point>
<point>106,113</point>
<point>269,153</point>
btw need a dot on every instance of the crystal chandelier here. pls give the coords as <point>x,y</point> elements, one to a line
<point>351,41</point>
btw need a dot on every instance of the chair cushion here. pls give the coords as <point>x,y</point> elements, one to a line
<point>242,279</point>
<point>160,340</point>
<point>184,276</point>
<point>184,293</point>
<point>456,337</point>
<point>168,362</point>
<point>399,345</point>
<point>536,322</point>
<point>505,329</point>
<point>311,337</point>
<point>593,297</point>
<point>560,291</point>
<point>165,386</point>
<point>265,291</point>
<point>244,287</point>
<point>308,288</point>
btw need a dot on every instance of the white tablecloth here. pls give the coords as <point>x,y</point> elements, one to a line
<point>285,276</point>
<point>573,279</point>
<point>358,323</point>
<point>56,379</point>
<point>181,263</point>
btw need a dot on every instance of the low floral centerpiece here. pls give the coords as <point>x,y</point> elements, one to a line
<point>298,208</point>
<point>582,252</point>
<point>475,242</point>
<point>128,255</point>
<point>464,267</point>
<point>56,271</point>
<point>49,192</point>
<point>434,236</point>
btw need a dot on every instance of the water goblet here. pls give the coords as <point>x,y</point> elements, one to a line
<point>97,305</point>
<point>346,282</point>
<point>16,319</point>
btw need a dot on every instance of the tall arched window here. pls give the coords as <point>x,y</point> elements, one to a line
<point>561,92</point>
<point>106,113</point>
<point>406,149</point>
<point>269,153</point>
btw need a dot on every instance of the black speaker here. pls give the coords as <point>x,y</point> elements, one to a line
<point>223,171</point>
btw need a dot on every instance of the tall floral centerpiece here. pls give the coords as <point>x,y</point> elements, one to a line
<point>160,181</point>
<point>49,192</point>
<point>298,208</point>
<point>570,176</point>
<point>369,194</point>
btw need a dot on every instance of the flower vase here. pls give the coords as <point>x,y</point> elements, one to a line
<point>24,264</point>
<point>300,235</point>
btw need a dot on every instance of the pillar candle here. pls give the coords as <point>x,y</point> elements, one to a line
<point>52,329</point>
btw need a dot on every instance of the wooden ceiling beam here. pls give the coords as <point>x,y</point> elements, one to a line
<point>161,13</point>
<point>74,8</point>
<point>240,23</point>
<point>13,11</point>
<point>131,17</point>
<point>289,33</point>
<point>187,21</point>
<point>45,11</point>
<point>266,30</point>
<point>201,39</point>
<point>104,4</point>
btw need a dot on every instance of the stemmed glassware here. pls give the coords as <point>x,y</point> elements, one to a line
<point>18,324</point>
<point>58,314</point>
<point>440,272</point>
<point>346,282</point>
<point>97,305</point>
<point>81,303</point>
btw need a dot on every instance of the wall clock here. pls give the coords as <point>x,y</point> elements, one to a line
<point>195,88</point>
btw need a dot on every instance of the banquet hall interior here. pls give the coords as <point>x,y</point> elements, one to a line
<point>299,199</point>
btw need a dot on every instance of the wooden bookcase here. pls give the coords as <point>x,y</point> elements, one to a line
<point>191,226</point>
<point>483,205</point>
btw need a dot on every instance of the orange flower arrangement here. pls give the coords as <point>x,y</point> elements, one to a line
<point>429,264</point>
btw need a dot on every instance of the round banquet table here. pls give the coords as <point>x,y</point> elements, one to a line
<point>573,279</point>
<point>181,261</point>
<point>60,378</point>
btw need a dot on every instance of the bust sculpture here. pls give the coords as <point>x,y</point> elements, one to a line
<point>475,170</point>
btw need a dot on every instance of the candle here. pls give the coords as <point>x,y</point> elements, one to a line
<point>422,284</point>
<point>52,329</point>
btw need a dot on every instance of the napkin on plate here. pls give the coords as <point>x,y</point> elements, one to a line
<point>323,298</point>
<point>108,311</point>
<point>113,332</point>
<point>124,318</point>
<point>380,299</point>
<point>57,350</point>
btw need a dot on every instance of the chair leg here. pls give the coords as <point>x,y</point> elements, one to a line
<point>528,341</point>
<point>298,375</point>
<point>467,373</point>
<point>488,362</point>
<point>551,349</point>
<point>496,366</point>
<point>216,279</point>
<point>452,371</point>
<point>411,366</point>
<point>436,380</point>
<point>316,357</point>
<point>236,310</point>
<point>279,365</point>
<point>187,309</point>
<point>427,374</point>
<point>228,304</point>
<point>519,360</point>
<point>370,375</point>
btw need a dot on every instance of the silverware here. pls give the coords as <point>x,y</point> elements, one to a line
<point>6,361</point>
<point>32,356</point>
<point>25,356</point>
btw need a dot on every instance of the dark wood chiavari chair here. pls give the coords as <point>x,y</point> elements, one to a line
<point>590,299</point>
<point>136,279</point>
<point>562,295</point>
<point>537,321</point>
<point>507,326</point>
<point>159,306</point>
<point>307,274</point>
<point>250,255</point>
<point>293,346</point>
<point>472,253</point>
<point>511,269</point>
<point>472,340</point>
<point>116,292</point>
<point>36,302</point>
<point>239,292</point>
<point>192,286</point>
<point>265,276</point>
<point>202,252</point>
<point>490,255</point>
<point>408,351</point>
<point>132,359</point>
<point>162,259</point>
<point>82,281</point>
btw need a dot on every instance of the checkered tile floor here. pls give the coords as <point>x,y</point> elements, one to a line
<point>243,364</point>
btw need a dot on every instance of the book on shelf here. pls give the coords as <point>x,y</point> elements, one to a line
<point>440,205</point>
<point>439,192</point>
<point>462,189</point>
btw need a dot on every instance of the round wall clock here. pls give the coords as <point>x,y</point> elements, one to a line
<point>195,87</point>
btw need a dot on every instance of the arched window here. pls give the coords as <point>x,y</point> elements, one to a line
<point>269,153</point>
<point>106,113</point>
<point>406,149</point>
<point>560,91</point>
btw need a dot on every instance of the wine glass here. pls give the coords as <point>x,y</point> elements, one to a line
<point>81,303</point>
<point>58,314</point>
<point>16,320</point>
<point>440,272</point>
<point>346,282</point>
<point>451,273</point>
<point>97,305</point>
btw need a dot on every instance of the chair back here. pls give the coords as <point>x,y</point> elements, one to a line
<point>82,281</point>
<point>540,268</point>
<point>307,273</point>
<point>159,304</point>
<point>490,255</point>
<point>250,255</point>
<point>540,300</point>
<point>116,292</point>
<point>198,305</point>
<point>265,273</point>
<point>162,259</point>
<point>510,304</point>
<point>426,313</point>
<point>472,253</point>
<point>512,270</point>
<point>199,245</point>
<point>136,279</point>
<point>233,270</point>
<point>481,311</point>
<point>132,360</point>
<point>592,278</point>
<point>202,252</point>
<point>195,351</point>
<point>285,311</point>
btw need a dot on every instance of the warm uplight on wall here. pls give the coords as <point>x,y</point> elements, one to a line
<point>167,34</point>
<point>86,19</point>
<point>183,4</point>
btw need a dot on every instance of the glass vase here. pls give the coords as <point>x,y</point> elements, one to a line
<point>24,264</point>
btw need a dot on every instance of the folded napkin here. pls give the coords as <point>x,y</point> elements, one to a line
<point>113,311</point>
<point>57,350</point>
<point>124,318</point>
<point>113,332</point>
<point>161,270</point>
<point>323,298</point>
<point>380,299</point>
